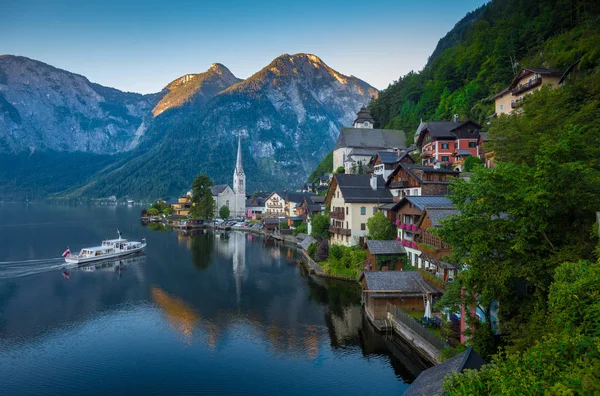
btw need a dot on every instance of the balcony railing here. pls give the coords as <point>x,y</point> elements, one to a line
<point>340,230</point>
<point>337,215</point>
<point>399,184</point>
<point>527,86</point>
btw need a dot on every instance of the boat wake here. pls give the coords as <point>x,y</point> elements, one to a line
<point>16,269</point>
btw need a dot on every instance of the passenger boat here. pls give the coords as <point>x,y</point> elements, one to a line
<point>110,248</point>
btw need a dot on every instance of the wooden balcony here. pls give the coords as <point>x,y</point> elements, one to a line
<point>340,231</point>
<point>337,215</point>
<point>527,86</point>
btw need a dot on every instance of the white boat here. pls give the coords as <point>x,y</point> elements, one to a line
<point>110,248</point>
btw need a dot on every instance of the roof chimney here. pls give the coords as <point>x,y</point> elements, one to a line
<point>455,117</point>
<point>373,181</point>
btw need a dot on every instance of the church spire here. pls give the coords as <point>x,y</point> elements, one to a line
<point>238,164</point>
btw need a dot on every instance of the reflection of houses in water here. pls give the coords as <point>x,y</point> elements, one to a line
<point>184,319</point>
<point>344,328</point>
<point>184,240</point>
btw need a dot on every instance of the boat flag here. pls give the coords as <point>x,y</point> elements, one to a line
<point>67,252</point>
<point>144,240</point>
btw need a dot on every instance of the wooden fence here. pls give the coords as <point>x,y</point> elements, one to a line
<point>418,328</point>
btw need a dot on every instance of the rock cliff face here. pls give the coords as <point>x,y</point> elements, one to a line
<point>45,107</point>
<point>289,115</point>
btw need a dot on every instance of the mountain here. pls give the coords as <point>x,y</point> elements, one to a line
<point>195,88</point>
<point>48,108</point>
<point>289,115</point>
<point>480,56</point>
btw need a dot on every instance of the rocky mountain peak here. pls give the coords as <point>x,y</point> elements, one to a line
<point>195,88</point>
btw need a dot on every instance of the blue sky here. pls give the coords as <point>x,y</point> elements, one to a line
<point>141,46</point>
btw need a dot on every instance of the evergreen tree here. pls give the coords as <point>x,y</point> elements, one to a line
<point>202,201</point>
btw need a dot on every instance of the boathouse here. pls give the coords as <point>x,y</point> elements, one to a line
<point>404,289</point>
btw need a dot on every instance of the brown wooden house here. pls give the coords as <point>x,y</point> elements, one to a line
<point>434,251</point>
<point>404,289</point>
<point>410,179</point>
<point>387,250</point>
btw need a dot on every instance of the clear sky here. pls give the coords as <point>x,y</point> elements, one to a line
<point>141,46</point>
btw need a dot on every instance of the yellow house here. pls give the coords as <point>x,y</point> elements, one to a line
<point>525,83</point>
<point>183,205</point>
<point>353,199</point>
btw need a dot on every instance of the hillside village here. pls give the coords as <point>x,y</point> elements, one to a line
<point>379,210</point>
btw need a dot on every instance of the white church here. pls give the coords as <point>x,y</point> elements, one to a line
<point>234,199</point>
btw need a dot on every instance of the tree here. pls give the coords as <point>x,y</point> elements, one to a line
<point>380,228</point>
<point>152,211</point>
<point>340,169</point>
<point>224,212</point>
<point>167,211</point>
<point>320,227</point>
<point>470,162</point>
<point>202,201</point>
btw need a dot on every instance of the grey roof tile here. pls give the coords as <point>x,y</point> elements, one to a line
<point>357,188</point>
<point>406,281</point>
<point>371,138</point>
<point>385,247</point>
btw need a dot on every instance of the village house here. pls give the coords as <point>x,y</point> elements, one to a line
<point>409,211</point>
<point>411,179</point>
<point>527,81</point>
<point>275,204</point>
<point>356,146</point>
<point>183,205</point>
<point>353,199</point>
<point>311,206</point>
<point>434,251</point>
<point>486,155</point>
<point>293,201</point>
<point>255,206</point>
<point>385,255</point>
<point>439,140</point>
<point>404,289</point>
<point>384,162</point>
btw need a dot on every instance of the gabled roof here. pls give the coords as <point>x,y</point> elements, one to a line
<point>444,130</point>
<point>307,241</point>
<point>370,138</point>
<point>462,152</point>
<point>409,282</point>
<point>393,157</point>
<point>297,197</point>
<point>417,172</point>
<point>361,151</point>
<point>218,189</point>
<point>385,247</point>
<point>534,70</point>
<point>422,202</point>
<point>429,382</point>
<point>437,215</point>
<point>357,188</point>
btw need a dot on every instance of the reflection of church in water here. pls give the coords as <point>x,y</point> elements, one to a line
<point>234,248</point>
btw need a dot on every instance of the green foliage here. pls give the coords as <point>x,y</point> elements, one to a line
<point>152,211</point>
<point>167,211</point>
<point>340,169</point>
<point>475,60</point>
<point>450,352</point>
<point>389,260</point>
<point>224,212</point>
<point>312,250</point>
<point>533,212</point>
<point>300,229</point>
<point>202,201</point>
<point>345,261</point>
<point>320,227</point>
<point>160,205</point>
<point>471,162</point>
<point>566,357</point>
<point>380,227</point>
<point>325,167</point>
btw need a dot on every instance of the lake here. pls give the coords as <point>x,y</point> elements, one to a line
<point>195,314</point>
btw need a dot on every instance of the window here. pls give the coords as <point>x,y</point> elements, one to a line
<point>445,158</point>
<point>363,210</point>
<point>362,227</point>
<point>374,210</point>
<point>346,210</point>
<point>444,145</point>
<point>472,144</point>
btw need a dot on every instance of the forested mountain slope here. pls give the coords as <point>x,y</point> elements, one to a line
<point>507,35</point>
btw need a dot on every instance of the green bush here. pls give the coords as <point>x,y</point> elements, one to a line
<point>301,229</point>
<point>336,252</point>
<point>312,250</point>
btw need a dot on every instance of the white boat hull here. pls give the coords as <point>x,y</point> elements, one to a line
<point>75,259</point>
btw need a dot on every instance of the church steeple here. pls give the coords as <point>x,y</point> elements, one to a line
<point>239,182</point>
<point>238,164</point>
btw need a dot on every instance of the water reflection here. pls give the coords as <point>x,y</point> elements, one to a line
<point>239,304</point>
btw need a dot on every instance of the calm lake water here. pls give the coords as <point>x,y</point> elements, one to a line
<point>195,314</point>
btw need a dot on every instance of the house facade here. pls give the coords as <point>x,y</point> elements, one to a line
<point>384,162</point>
<point>354,199</point>
<point>362,142</point>
<point>183,205</point>
<point>275,205</point>
<point>411,179</point>
<point>439,140</point>
<point>527,81</point>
